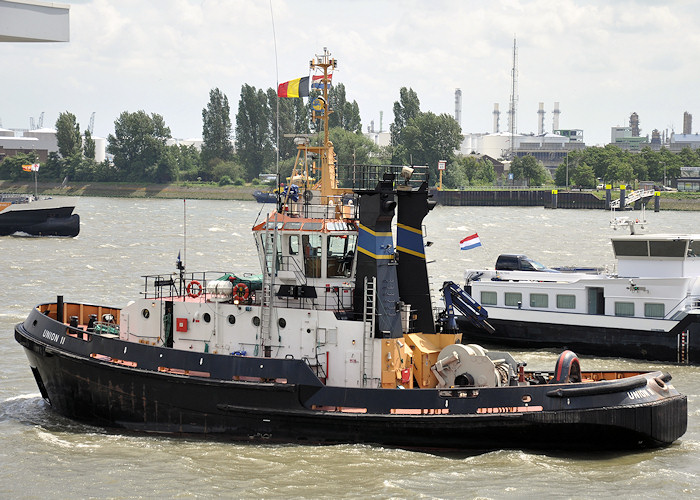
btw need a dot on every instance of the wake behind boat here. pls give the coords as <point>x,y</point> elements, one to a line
<point>336,343</point>
<point>21,213</point>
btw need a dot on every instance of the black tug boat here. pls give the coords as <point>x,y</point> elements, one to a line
<point>336,344</point>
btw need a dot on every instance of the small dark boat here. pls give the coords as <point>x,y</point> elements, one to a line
<point>20,213</point>
<point>264,196</point>
<point>336,343</point>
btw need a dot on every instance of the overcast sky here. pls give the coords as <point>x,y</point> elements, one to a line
<point>600,62</point>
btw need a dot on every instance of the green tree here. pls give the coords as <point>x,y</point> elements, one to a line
<point>670,165</point>
<point>689,158</point>
<point>351,148</point>
<point>406,108</point>
<point>529,169</point>
<point>486,174</point>
<point>138,144</point>
<point>428,138</point>
<point>584,177</point>
<point>345,114</point>
<point>455,175</point>
<point>89,146</point>
<point>293,119</point>
<point>52,168</point>
<point>227,169</point>
<point>11,167</point>
<point>254,144</point>
<point>216,128</point>
<point>619,172</point>
<point>68,135</point>
<point>188,161</point>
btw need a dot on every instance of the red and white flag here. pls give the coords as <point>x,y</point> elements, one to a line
<point>470,242</point>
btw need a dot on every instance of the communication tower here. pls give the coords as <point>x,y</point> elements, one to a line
<point>512,112</point>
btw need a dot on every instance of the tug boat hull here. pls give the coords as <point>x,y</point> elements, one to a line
<point>106,381</point>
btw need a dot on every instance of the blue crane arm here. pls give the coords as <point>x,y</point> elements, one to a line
<point>456,298</point>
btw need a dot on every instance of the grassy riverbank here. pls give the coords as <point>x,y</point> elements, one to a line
<point>191,190</point>
<point>207,191</point>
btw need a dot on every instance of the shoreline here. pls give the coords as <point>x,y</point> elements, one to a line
<point>134,190</point>
<point>209,192</point>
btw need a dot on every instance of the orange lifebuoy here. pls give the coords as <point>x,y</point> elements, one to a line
<point>240,291</point>
<point>194,289</point>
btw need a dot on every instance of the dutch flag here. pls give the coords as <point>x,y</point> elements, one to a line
<point>470,242</point>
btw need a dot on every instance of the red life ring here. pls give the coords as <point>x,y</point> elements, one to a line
<point>194,289</point>
<point>240,291</point>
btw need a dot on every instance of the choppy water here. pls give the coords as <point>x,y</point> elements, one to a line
<point>43,455</point>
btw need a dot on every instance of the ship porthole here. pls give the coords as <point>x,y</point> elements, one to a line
<point>231,319</point>
<point>256,321</point>
<point>145,313</point>
<point>206,317</point>
<point>282,322</point>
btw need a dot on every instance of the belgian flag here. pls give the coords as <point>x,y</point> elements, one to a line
<point>294,88</point>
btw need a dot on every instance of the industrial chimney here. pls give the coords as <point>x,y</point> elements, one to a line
<point>540,120</point>
<point>458,106</point>
<point>687,123</point>
<point>555,118</point>
<point>496,118</point>
<point>634,124</point>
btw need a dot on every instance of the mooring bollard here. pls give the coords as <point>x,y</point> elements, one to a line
<point>657,201</point>
<point>622,197</point>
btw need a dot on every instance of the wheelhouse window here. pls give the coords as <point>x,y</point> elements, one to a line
<point>674,248</point>
<point>341,251</point>
<point>293,244</point>
<point>514,299</point>
<point>624,308</point>
<point>625,248</point>
<point>267,243</point>
<point>539,300</point>
<point>652,310</point>
<point>565,301</point>
<point>489,298</point>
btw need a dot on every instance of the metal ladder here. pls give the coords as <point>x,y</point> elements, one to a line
<point>368,320</point>
<point>269,273</point>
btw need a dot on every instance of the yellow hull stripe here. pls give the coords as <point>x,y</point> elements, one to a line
<point>373,233</point>
<point>411,252</point>
<point>374,256</point>
<point>409,228</point>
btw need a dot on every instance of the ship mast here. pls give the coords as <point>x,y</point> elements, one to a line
<point>321,110</point>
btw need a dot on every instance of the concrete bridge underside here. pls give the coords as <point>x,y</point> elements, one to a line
<point>31,21</point>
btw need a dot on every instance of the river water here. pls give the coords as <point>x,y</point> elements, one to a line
<point>43,455</point>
